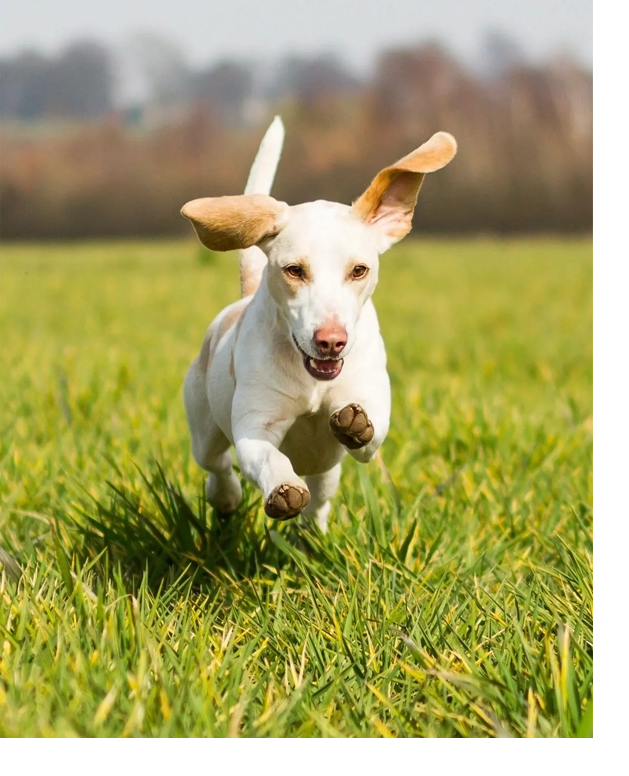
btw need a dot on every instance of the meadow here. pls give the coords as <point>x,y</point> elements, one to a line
<point>452,596</point>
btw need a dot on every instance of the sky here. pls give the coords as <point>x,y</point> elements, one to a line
<point>206,30</point>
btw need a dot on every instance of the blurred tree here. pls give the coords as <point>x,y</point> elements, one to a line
<point>320,90</point>
<point>306,79</point>
<point>499,54</point>
<point>81,82</point>
<point>414,92</point>
<point>77,84</point>
<point>24,86</point>
<point>226,88</point>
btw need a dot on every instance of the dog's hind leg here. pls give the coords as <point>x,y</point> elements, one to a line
<point>210,447</point>
<point>322,487</point>
<point>222,488</point>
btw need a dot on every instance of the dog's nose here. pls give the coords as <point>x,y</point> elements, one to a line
<point>330,340</point>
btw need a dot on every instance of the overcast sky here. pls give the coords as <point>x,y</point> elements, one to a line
<point>207,30</point>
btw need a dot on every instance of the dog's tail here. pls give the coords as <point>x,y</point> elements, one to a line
<point>260,181</point>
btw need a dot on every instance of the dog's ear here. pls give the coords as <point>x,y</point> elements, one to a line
<point>229,223</point>
<point>389,202</point>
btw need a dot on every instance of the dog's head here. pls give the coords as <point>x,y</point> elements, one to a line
<point>322,256</point>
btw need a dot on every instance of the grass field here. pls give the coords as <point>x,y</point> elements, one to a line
<point>452,595</point>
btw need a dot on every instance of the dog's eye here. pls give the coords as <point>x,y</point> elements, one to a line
<point>359,271</point>
<point>294,271</point>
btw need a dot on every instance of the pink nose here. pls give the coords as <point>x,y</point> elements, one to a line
<point>330,340</point>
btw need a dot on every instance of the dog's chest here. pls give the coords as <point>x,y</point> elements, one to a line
<point>310,446</point>
<point>314,401</point>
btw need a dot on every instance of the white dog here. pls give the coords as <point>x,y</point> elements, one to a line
<point>294,374</point>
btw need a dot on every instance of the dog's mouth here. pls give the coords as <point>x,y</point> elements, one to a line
<point>320,368</point>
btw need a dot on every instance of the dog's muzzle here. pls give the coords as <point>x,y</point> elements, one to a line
<point>320,368</point>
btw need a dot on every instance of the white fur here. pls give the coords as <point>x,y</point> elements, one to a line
<point>256,393</point>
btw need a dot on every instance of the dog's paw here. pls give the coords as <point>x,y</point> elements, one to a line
<point>352,427</point>
<point>224,495</point>
<point>286,501</point>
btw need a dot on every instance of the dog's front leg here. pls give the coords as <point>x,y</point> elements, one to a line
<point>257,440</point>
<point>361,422</point>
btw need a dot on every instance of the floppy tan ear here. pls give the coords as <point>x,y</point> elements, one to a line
<point>230,223</point>
<point>390,200</point>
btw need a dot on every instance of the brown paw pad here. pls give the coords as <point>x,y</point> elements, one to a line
<point>352,427</point>
<point>286,501</point>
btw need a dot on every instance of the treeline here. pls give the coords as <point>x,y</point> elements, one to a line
<point>79,83</point>
<point>75,163</point>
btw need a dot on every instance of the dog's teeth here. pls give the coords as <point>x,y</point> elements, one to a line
<point>312,363</point>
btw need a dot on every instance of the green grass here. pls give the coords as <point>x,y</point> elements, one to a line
<point>452,595</point>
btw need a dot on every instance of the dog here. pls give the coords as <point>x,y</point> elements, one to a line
<point>293,375</point>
